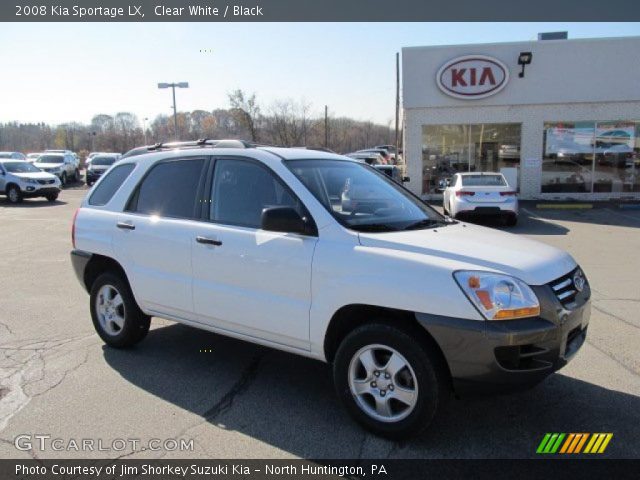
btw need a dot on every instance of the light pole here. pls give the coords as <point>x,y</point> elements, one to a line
<point>144,129</point>
<point>173,88</point>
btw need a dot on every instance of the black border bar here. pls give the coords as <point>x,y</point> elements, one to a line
<point>321,10</point>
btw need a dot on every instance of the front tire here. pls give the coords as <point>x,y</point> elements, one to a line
<point>115,314</point>
<point>389,381</point>
<point>14,194</point>
<point>63,179</point>
<point>52,197</point>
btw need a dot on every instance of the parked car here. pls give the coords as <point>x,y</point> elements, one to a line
<point>386,156</point>
<point>62,165</point>
<point>100,164</point>
<point>392,171</point>
<point>12,155</point>
<point>32,157</point>
<point>19,179</point>
<point>405,304</point>
<point>480,193</point>
<point>370,158</point>
<point>87,161</point>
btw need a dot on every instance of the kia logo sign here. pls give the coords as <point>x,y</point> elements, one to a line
<point>472,77</point>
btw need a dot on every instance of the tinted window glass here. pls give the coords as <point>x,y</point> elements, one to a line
<point>103,161</point>
<point>110,184</point>
<point>241,190</point>
<point>170,189</point>
<point>51,159</point>
<point>483,181</point>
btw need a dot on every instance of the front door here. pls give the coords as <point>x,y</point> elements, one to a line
<point>247,280</point>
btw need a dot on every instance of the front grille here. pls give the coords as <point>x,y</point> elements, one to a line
<point>46,182</point>
<point>564,288</point>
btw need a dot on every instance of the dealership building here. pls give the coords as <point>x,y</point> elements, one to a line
<point>560,118</point>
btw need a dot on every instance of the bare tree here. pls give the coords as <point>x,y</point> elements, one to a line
<point>246,111</point>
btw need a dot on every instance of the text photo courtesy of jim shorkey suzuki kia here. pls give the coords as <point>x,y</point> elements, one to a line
<point>339,248</point>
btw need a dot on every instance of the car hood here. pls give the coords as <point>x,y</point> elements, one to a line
<point>471,247</point>
<point>48,165</point>
<point>36,175</point>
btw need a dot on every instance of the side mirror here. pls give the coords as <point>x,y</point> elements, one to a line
<point>287,220</point>
<point>447,183</point>
<point>406,179</point>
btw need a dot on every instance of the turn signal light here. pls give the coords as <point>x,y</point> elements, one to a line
<point>517,313</point>
<point>464,194</point>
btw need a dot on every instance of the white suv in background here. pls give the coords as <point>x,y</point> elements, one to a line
<point>62,165</point>
<point>263,244</point>
<point>20,179</point>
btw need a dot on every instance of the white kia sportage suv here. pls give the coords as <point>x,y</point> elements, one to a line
<point>262,244</point>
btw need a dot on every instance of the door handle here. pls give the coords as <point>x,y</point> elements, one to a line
<point>208,241</point>
<point>126,226</point>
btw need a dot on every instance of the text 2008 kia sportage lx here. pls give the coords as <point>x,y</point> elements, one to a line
<point>320,255</point>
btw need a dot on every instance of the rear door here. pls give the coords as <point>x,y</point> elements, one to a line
<point>247,280</point>
<point>154,234</point>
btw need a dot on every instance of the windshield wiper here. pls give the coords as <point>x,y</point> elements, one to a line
<point>427,222</point>
<point>374,227</point>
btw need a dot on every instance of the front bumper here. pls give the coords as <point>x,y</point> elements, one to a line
<point>507,355</point>
<point>32,191</point>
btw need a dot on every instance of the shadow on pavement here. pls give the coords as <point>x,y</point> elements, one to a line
<point>36,202</point>
<point>598,216</point>
<point>288,402</point>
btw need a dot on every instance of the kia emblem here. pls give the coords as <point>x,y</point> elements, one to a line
<point>472,77</point>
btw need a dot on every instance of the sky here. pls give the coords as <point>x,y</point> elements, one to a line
<point>61,72</point>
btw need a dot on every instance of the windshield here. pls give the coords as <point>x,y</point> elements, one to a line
<point>5,155</point>
<point>50,159</point>
<point>33,155</point>
<point>20,167</point>
<point>483,181</point>
<point>361,198</point>
<point>103,161</point>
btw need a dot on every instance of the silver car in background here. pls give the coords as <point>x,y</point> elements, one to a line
<point>481,193</point>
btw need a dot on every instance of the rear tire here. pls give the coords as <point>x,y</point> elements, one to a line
<point>14,194</point>
<point>511,220</point>
<point>399,392</point>
<point>115,314</point>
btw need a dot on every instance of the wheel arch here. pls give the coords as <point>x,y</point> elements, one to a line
<point>97,265</point>
<point>350,317</point>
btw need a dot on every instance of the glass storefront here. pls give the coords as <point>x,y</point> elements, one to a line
<point>585,157</point>
<point>447,149</point>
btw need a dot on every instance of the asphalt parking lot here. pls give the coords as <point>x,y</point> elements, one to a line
<point>237,400</point>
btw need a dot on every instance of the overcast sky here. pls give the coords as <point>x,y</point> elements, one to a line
<point>68,72</point>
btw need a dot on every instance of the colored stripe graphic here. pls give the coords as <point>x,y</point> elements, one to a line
<point>573,443</point>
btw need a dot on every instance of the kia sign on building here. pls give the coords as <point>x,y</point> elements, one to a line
<point>472,77</point>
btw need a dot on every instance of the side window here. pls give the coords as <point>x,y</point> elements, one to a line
<point>242,189</point>
<point>110,184</point>
<point>169,189</point>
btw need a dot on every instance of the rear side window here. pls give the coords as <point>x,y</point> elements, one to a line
<point>170,189</point>
<point>110,184</point>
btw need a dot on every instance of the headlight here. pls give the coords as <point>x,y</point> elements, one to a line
<point>497,296</point>
<point>29,180</point>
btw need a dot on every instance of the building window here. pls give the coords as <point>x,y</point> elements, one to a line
<point>489,147</point>
<point>585,157</point>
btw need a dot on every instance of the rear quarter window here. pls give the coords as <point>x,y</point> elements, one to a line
<point>110,183</point>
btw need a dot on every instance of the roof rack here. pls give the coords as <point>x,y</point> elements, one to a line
<point>203,142</point>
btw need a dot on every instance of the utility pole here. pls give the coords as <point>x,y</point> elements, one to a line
<point>175,111</point>
<point>326,126</point>
<point>397,105</point>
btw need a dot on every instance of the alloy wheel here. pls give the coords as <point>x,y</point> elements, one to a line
<point>110,310</point>
<point>383,383</point>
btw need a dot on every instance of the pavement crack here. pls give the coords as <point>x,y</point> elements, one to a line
<point>613,315</point>
<point>627,368</point>
<point>226,402</point>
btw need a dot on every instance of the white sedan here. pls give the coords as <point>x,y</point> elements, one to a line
<point>475,193</point>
